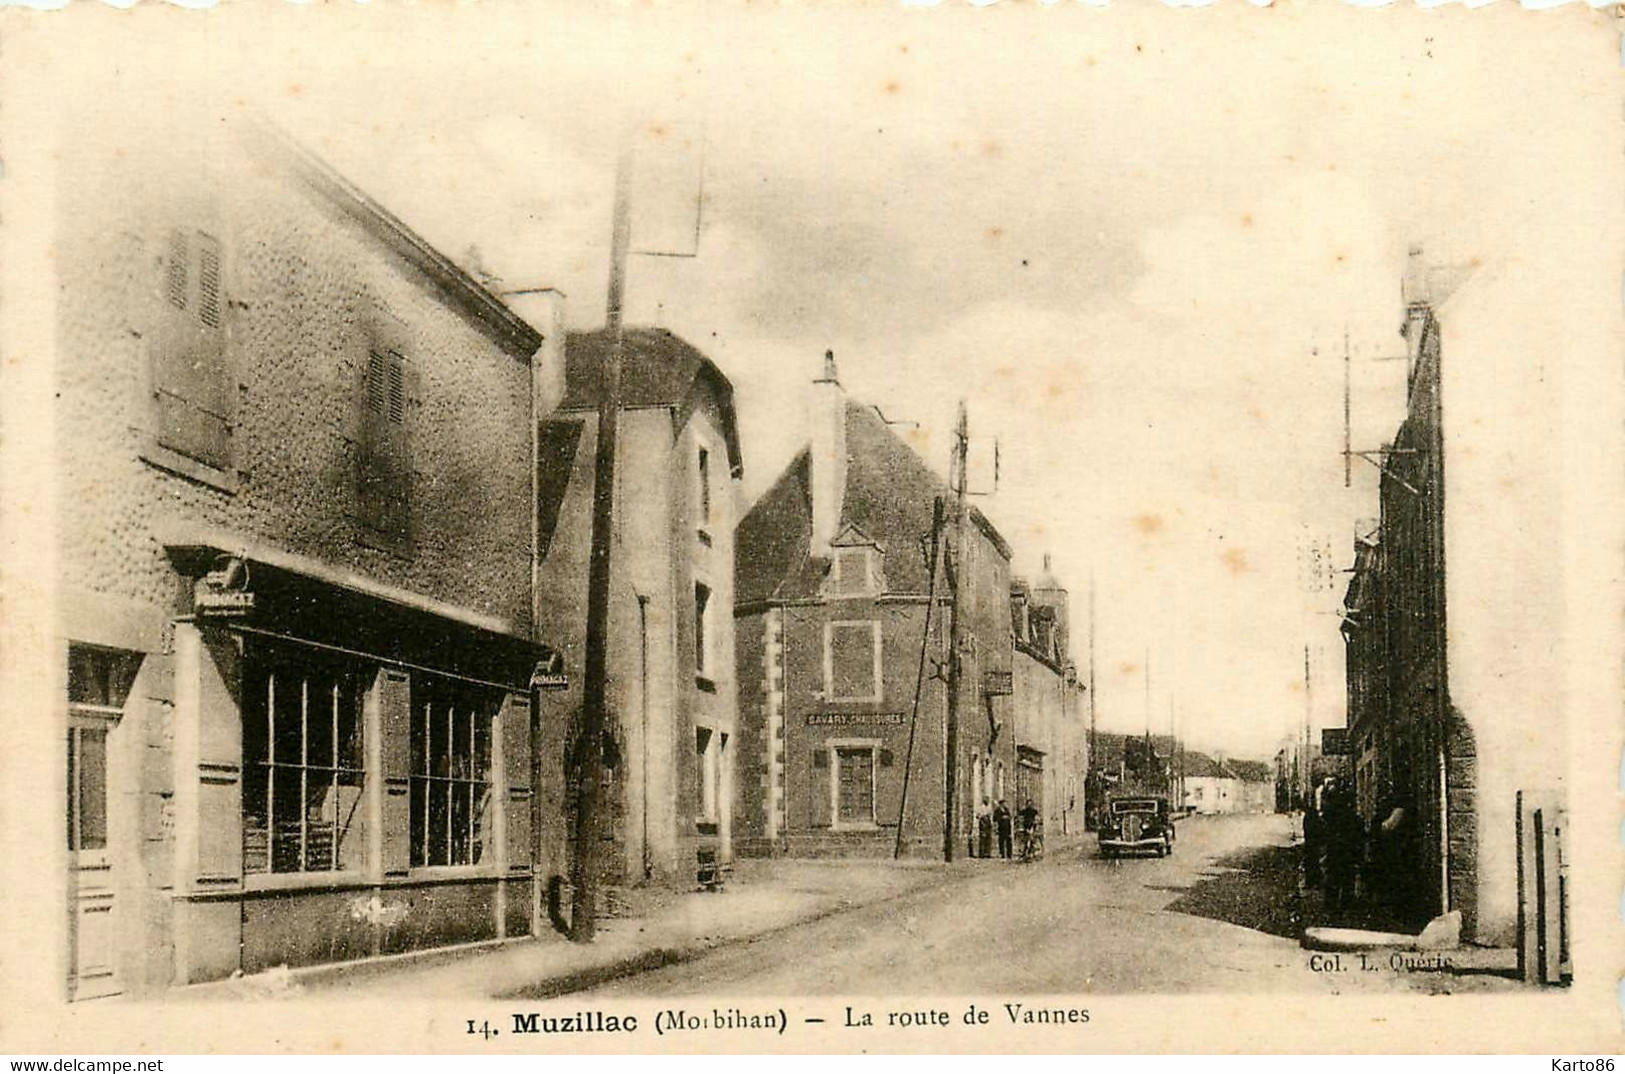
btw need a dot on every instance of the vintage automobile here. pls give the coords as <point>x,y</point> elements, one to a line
<point>1137,822</point>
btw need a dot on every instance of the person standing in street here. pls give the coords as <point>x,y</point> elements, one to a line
<point>1001,821</point>
<point>1029,828</point>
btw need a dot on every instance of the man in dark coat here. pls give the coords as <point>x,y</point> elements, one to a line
<point>1029,827</point>
<point>1001,821</point>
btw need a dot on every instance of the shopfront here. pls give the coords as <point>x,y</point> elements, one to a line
<point>352,770</point>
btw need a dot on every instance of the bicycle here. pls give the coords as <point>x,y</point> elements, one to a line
<point>1032,845</point>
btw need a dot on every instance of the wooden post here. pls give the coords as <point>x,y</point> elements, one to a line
<point>589,747</point>
<point>957,581</point>
<point>919,681</point>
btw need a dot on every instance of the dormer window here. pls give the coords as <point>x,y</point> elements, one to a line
<point>856,566</point>
<point>854,572</point>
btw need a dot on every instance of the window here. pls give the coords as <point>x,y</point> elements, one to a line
<point>855,784</point>
<point>98,682</point>
<point>87,786</point>
<point>705,488</point>
<point>852,661</point>
<point>855,572</point>
<point>707,756</point>
<point>451,771</point>
<point>192,385</point>
<point>702,640</point>
<point>303,764</point>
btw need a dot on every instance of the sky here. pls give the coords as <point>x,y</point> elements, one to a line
<point>1132,241</point>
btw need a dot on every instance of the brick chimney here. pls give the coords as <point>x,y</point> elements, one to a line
<point>828,424</point>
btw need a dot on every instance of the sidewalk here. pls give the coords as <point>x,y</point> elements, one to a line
<point>762,897</point>
<point>1468,967</point>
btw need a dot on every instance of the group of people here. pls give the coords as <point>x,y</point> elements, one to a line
<point>1001,821</point>
<point>1341,855</point>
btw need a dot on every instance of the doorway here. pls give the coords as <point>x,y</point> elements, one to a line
<point>98,684</point>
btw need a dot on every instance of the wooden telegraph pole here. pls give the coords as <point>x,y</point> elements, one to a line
<point>589,752</point>
<point>958,581</point>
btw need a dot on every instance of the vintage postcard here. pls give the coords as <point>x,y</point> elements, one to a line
<point>719,527</point>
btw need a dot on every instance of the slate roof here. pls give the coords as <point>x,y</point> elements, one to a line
<point>658,368</point>
<point>1202,765</point>
<point>1253,771</point>
<point>890,493</point>
<point>1197,765</point>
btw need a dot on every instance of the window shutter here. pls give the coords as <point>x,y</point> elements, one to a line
<point>515,731</point>
<point>819,779</point>
<point>191,377</point>
<point>383,461</point>
<point>176,288</point>
<point>395,733</point>
<point>385,478</point>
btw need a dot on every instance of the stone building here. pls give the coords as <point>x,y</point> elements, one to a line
<point>1050,706</point>
<point>294,565</point>
<point>1453,655</point>
<point>671,644</point>
<point>833,586</point>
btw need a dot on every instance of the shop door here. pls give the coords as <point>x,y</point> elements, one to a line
<point>857,785</point>
<point>1029,783</point>
<point>98,681</point>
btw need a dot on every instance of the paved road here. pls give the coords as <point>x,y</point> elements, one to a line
<point>1216,916</point>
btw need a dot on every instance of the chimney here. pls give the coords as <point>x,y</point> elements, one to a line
<point>543,309</point>
<point>828,459</point>
<point>1416,289</point>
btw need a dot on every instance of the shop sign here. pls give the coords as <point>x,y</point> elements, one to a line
<point>854,719</point>
<point>222,603</point>
<point>549,673</point>
<point>1334,741</point>
<point>223,593</point>
<point>997,684</point>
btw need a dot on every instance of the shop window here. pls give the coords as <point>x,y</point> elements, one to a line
<point>451,771</point>
<point>852,661</point>
<point>304,764</point>
<point>855,784</point>
<point>192,384</point>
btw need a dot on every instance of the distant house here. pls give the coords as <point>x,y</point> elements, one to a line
<point>833,588</point>
<point>1210,786</point>
<point>1255,790</point>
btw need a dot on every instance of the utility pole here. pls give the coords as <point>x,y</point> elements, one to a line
<point>589,751</point>
<point>958,581</point>
<point>1173,752</point>
<point>1348,391</point>
<point>937,512</point>
<point>1308,711</point>
<point>1090,782</point>
<point>1148,694</point>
